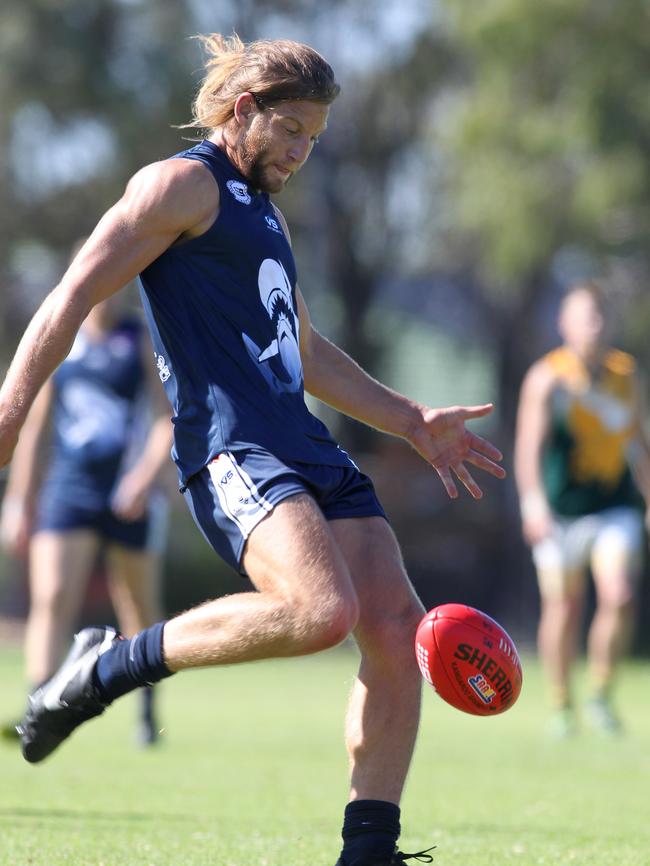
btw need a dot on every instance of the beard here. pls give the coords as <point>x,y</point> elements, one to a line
<point>254,151</point>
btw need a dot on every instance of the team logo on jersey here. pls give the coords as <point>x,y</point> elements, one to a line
<point>273,224</point>
<point>92,418</point>
<point>240,191</point>
<point>279,362</point>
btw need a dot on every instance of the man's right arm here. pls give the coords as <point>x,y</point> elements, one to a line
<point>532,427</point>
<point>163,203</point>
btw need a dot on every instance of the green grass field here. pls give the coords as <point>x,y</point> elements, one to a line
<point>252,772</point>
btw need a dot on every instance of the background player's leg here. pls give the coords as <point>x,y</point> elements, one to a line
<point>134,585</point>
<point>305,600</point>
<point>559,622</point>
<point>384,708</point>
<point>609,631</point>
<point>60,564</point>
<point>560,561</point>
<point>615,567</point>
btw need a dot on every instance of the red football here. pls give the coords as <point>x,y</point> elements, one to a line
<point>469,659</point>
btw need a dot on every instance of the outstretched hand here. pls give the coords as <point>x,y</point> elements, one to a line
<point>443,441</point>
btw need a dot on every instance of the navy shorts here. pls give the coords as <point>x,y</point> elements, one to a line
<point>148,533</point>
<point>231,495</point>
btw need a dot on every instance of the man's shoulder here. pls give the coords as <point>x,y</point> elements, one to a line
<point>563,365</point>
<point>179,188</point>
<point>548,368</point>
<point>620,363</point>
<point>177,175</point>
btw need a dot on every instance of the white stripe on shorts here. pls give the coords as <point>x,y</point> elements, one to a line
<point>238,495</point>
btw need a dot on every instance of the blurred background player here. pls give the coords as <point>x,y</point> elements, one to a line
<point>98,495</point>
<point>579,440</point>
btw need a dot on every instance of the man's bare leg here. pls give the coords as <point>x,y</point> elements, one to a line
<point>384,709</point>
<point>305,601</point>
<point>134,585</point>
<point>614,572</point>
<point>557,637</point>
<point>60,564</point>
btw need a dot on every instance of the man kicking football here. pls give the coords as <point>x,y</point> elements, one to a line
<point>268,486</point>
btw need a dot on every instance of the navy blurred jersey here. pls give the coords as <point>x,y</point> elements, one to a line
<point>99,417</point>
<point>223,317</point>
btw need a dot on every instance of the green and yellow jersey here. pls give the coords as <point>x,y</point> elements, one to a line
<point>593,422</point>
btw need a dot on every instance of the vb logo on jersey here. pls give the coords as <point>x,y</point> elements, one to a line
<point>239,190</point>
<point>279,362</point>
<point>273,224</point>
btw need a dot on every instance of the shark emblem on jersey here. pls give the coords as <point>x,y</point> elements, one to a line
<point>280,361</point>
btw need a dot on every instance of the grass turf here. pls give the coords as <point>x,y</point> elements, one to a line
<point>251,772</point>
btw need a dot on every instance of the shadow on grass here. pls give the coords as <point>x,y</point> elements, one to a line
<point>85,815</point>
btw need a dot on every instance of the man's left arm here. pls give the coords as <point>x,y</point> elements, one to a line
<point>438,435</point>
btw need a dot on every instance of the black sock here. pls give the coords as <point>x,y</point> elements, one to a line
<point>370,831</point>
<point>129,664</point>
<point>146,704</point>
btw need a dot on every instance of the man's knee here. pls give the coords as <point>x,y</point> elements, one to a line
<point>325,623</point>
<point>389,635</point>
<point>616,599</point>
<point>50,597</point>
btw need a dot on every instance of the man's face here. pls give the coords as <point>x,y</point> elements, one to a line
<point>278,140</point>
<point>581,323</point>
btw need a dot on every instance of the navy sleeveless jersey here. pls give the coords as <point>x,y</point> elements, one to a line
<point>223,317</point>
<point>98,416</point>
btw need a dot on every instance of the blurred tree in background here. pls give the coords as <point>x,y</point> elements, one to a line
<point>479,157</point>
<point>549,138</point>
